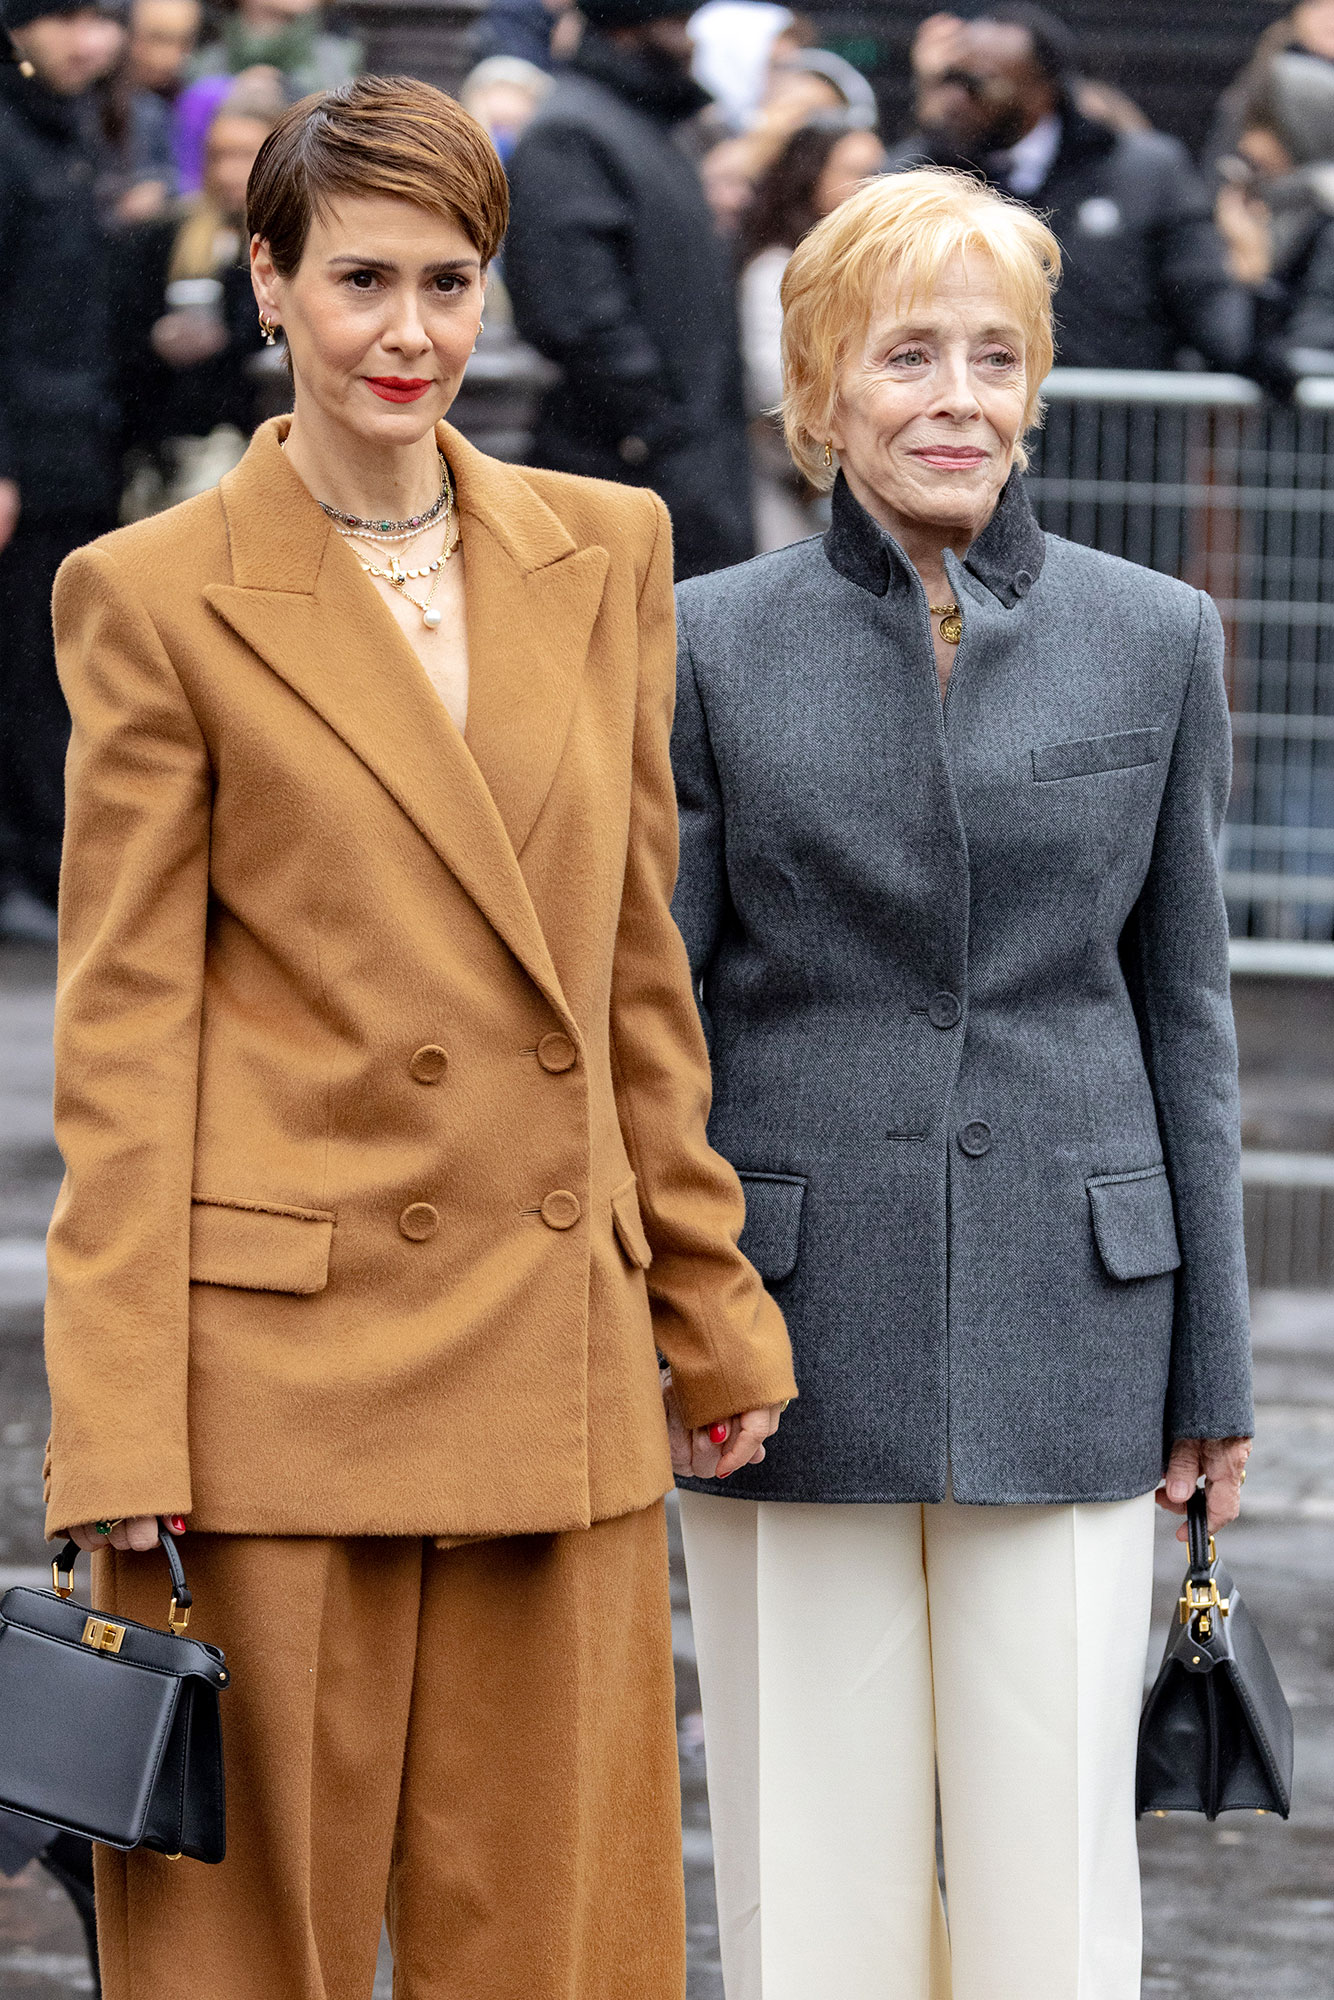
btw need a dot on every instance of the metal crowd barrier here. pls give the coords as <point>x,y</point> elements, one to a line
<point>1201,476</point>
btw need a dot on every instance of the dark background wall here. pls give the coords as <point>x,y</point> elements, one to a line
<point>1173,57</point>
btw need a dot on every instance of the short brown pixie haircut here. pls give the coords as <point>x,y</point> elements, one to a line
<point>382,135</point>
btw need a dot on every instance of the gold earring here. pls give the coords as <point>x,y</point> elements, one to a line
<point>267,329</point>
<point>829,454</point>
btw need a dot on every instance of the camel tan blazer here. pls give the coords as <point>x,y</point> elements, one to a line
<point>380,1085</point>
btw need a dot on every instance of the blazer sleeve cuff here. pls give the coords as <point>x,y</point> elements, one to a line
<point>754,1375</point>
<point>106,1493</point>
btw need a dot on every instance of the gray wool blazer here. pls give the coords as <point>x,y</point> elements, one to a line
<point>964,975</point>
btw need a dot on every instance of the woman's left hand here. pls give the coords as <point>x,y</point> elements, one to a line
<point>1221,1461</point>
<point>698,1455</point>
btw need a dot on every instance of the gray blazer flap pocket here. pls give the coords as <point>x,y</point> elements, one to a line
<point>258,1247</point>
<point>772,1235</point>
<point>1096,753</point>
<point>1133,1223</point>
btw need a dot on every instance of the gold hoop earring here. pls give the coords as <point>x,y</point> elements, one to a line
<point>266,327</point>
<point>829,454</point>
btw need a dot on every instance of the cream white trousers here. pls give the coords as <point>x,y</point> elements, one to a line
<point>851,1657</point>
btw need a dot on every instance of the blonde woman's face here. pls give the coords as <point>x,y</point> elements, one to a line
<point>931,405</point>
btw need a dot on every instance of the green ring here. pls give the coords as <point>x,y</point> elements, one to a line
<point>101,1527</point>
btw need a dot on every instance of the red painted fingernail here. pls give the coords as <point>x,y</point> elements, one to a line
<point>717,1433</point>
<point>176,1522</point>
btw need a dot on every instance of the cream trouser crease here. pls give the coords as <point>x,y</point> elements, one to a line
<point>851,1658</point>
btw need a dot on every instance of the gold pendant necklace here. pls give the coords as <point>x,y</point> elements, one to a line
<point>951,622</point>
<point>400,577</point>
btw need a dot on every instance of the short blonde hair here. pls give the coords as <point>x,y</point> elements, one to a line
<point>904,227</point>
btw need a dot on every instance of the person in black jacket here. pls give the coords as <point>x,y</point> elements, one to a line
<point>1275,209</point>
<point>1145,276</point>
<point>59,472</point>
<point>185,325</point>
<point>617,274</point>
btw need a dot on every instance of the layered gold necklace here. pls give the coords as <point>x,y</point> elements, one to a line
<point>398,573</point>
<point>381,534</point>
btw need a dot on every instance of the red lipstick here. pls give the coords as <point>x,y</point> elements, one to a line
<point>397,388</point>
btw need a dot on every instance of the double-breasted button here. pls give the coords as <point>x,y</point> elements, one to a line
<point>944,1010</point>
<point>1023,582</point>
<point>429,1064</point>
<point>419,1221</point>
<point>557,1053</point>
<point>975,1138</point>
<point>561,1209</point>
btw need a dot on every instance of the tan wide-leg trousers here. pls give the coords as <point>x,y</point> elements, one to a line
<point>480,1740</point>
<point>850,1656</point>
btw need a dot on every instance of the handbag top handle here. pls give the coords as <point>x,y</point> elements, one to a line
<point>1200,1598</point>
<point>178,1616</point>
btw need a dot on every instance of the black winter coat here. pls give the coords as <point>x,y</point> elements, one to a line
<point>617,274</point>
<point>160,402</point>
<point>1145,273</point>
<point>58,420</point>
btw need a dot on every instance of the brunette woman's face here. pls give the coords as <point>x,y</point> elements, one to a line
<point>854,159</point>
<point>380,315</point>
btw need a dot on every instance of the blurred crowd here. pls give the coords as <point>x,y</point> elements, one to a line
<point>664,164</point>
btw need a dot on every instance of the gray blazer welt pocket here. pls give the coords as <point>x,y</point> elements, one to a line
<point>1133,1223</point>
<point>1096,753</point>
<point>772,1235</point>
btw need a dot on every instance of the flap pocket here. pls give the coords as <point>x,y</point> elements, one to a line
<point>259,1247</point>
<point>629,1225</point>
<point>1096,753</point>
<point>772,1235</point>
<point>1133,1223</point>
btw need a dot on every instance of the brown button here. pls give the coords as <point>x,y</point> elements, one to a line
<point>561,1209</point>
<point>429,1064</point>
<point>418,1221</point>
<point>557,1053</point>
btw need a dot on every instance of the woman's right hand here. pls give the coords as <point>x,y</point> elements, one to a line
<point>139,1533</point>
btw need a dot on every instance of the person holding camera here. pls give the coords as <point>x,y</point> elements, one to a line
<point>618,275</point>
<point>1145,276</point>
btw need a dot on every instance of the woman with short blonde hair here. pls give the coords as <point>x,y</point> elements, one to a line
<point>949,792</point>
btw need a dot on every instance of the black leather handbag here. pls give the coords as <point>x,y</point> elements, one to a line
<point>108,1728</point>
<point>1215,1734</point>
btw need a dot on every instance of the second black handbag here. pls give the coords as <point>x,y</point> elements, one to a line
<point>1215,1734</point>
<point>109,1728</point>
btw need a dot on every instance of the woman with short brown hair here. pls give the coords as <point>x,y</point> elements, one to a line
<point>380,1088</point>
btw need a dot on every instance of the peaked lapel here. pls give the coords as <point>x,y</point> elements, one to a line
<point>300,602</point>
<point>533,597</point>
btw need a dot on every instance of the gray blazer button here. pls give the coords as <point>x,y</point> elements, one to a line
<point>975,1138</point>
<point>944,1010</point>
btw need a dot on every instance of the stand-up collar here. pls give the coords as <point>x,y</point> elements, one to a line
<point>1007,556</point>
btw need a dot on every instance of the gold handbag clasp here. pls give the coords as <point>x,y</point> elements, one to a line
<point>1201,1600</point>
<point>103,1635</point>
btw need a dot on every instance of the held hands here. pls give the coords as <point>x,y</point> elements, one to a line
<point>720,1449</point>
<point>1222,1461</point>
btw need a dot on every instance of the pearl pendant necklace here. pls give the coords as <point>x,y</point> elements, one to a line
<point>400,576</point>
